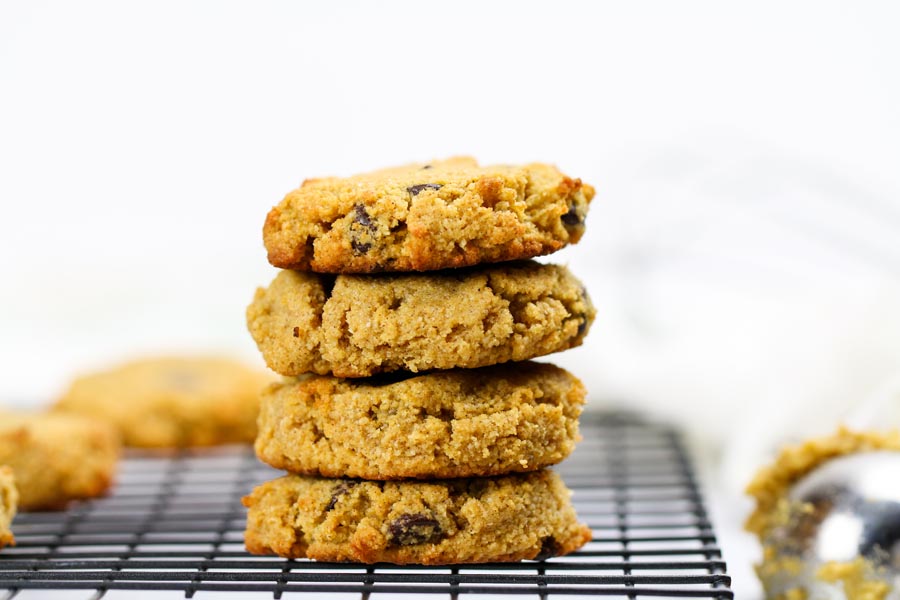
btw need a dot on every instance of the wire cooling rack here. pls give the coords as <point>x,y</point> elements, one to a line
<point>175,522</point>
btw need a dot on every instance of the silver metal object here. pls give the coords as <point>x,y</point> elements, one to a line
<point>850,508</point>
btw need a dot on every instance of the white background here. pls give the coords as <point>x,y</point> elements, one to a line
<point>743,249</point>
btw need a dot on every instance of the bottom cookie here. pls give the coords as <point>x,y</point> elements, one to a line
<point>490,519</point>
<point>57,458</point>
<point>8,499</point>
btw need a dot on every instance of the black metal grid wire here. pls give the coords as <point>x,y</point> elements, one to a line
<point>175,522</point>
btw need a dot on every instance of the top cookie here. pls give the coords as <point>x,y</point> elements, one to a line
<point>425,217</point>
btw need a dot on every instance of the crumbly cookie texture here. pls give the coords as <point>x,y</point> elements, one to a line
<point>57,458</point>
<point>462,423</point>
<point>422,522</point>
<point>360,325</point>
<point>9,499</point>
<point>770,488</point>
<point>424,217</point>
<point>173,402</point>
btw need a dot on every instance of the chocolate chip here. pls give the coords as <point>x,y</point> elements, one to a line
<point>427,167</point>
<point>549,547</point>
<point>339,490</point>
<point>411,529</point>
<point>584,317</point>
<point>415,189</point>
<point>296,332</point>
<point>571,218</point>
<point>360,247</point>
<point>361,216</point>
<point>583,325</point>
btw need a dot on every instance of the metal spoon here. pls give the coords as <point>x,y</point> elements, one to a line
<point>852,509</point>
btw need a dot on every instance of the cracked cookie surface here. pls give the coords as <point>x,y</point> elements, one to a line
<point>358,325</point>
<point>451,521</point>
<point>9,499</point>
<point>57,458</point>
<point>173,402</point>
<point>495,420</point>
<point>425,217</point>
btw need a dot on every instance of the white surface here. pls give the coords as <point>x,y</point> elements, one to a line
<point>742,249</point>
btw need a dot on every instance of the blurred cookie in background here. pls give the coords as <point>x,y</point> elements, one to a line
<point>173,401</point>
<point>9,499</point>
<point>57,458</point>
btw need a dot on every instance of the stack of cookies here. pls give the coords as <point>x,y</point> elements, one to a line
<point>412,423</point>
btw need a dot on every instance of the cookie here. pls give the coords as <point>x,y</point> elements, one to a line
<point>360,325</point>
<point>9,498</point>
<point>461,423</point>
<point>424,217</point>
<point>173,402</point>
<point>57,458</point>
<point>420,522</point>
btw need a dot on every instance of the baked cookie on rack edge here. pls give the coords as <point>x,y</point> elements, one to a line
<point>57,458</point>
<point>9,499</point>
